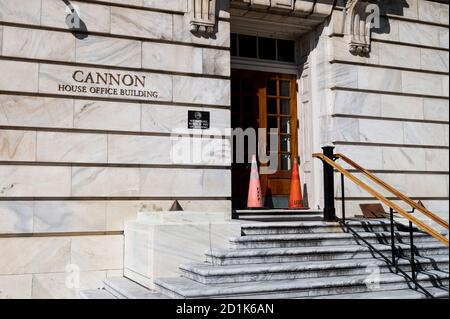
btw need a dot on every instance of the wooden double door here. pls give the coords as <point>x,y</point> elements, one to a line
<point>265,100</point>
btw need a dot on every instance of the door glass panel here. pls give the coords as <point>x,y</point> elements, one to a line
<point>247,46</point>
<point>285,164</point>
<point>247,103</point>
<point>285,88</point>
<point>285,144</point>
<point>272,106</point>
<point>272,122</point>
<point>247,86</point>
<point>285,125</point>
<point>285,107</point>
<point>272,87</point>
<point>267,49</point>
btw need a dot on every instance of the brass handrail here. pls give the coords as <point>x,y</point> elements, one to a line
<point>394,191</point>
<point>383,199</point>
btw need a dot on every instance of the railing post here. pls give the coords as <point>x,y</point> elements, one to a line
<point>343,197</point>
<point>393,249</point>
<point>329,211</point>
<point>413,261</point>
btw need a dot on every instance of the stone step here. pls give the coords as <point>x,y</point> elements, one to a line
<point>96,294</point>
<point>304,212</point>
<point>299,254</point>
<point>210,274</point>
<point>278,228</point>
<point>439,293</point>
<point>124,288</point>
<point>322,239</point>
<point>182,287</point>
<point>274,215</point>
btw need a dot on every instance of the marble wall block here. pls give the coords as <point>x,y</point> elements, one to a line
<point>395,55</point>
<point>418,185</point>
<point>34,255</point>
<point>139,23</point>
<point>342,75</point>
<point>185,182</point>
<point>52,76</point>
<point>16,217</point>
<point>97,252</point>
<point>34,181</point>
<point>176,182</point>
<point>105,181</point>
<point>38,44</point>
<point>173,5</point>
<point>71,147</point>
<point>54,285</point>
<point>134,149</point>
<point>409,9</point>
<point>17,145</point>
<point>420,34</point>
<point>404,159</point>
<point>109,51</point>
<point>434,60</point>
<point>137,3</point>
<point>182,33</point>
<point>436,109</point>
<point>369,157</point>
<point>96,17</point>
<point>389,30</point>
<point>423,83</point>
<point>433,12</point>
<point>437,160</point>
<point>391,132</point>
<point>345,129</point>
<point>15,286</point>
<point>357,103</point>
<point>119,212</point>
<point>443,38</point>
<point>170,57</point>
<point>25,77</point>
<point>201,90</point>
<point>111,116</point>
<point>200,151</point>
<point>167,118</point>
<point>425,134</point>
<point>379,79</point>
<point>36,111</point>
<point>20,11</point>
<point>401,107</point>
<point>217,62</point>
<point>69,216</point>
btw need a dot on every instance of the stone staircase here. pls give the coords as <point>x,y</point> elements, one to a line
<point>304,259</point>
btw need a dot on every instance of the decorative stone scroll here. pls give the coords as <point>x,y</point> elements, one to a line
<point>360,16</point>
<point>203,16</point>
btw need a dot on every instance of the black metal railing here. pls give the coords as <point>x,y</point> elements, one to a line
<point>329,214</point>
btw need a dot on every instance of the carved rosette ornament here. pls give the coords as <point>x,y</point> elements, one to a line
<point>360,16</point>
<point>203,16</point>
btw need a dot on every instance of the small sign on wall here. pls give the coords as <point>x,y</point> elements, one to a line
<point>198,120</point>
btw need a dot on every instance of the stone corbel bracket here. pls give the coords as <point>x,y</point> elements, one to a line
<point>202,16</point>
<point>359,16</point>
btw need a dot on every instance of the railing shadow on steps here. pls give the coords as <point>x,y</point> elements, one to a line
<point>330,166</point>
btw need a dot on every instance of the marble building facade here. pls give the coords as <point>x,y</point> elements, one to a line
<point>76,163</point>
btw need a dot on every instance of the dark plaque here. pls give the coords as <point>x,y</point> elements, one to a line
<point>198,120</point>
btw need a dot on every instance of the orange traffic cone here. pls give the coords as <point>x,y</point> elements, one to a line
<point>254,199</point>
<point>295,196</point>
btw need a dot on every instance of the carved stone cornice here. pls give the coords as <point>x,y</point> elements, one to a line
<point>202,16</point>
<point>360,15</point>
